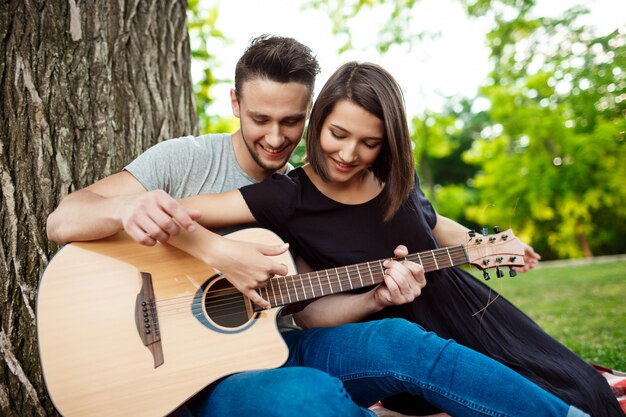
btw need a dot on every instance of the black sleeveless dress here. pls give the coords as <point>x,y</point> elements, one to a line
<point>329,234</point>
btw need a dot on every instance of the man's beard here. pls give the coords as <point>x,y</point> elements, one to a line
<point>255,156</point>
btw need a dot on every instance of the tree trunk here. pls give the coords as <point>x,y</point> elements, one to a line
<point>84,88</point>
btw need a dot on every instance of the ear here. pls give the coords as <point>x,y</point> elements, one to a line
<point>234,102</point>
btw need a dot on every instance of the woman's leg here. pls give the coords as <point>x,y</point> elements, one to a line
<point>284,392</point>
<point>381,358</point>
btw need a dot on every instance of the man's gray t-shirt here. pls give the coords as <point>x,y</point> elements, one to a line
<point>188,166</point>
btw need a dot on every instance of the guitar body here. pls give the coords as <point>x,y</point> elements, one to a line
<point>96,355</point>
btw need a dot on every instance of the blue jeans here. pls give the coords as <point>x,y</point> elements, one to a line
<point>377,359</point>
<point>283,392</point>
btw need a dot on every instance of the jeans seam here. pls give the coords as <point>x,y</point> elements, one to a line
<point>430,387</point>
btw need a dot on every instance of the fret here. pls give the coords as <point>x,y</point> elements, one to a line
<point>303,288</point>
<point>320,281</point>
<point>260,292</point>
<point>435,259</point>
<point>293,286</point>
<point>371,274</point>
<point>339,280</point>
<point>287,289</point>
<point>268,296</point>
<point>330,284</point>
<point>311,284</point>
<point>450,257</point>
<point>349,279</point>
<point>420,259</point>
<point>274,291</point>
<point>360,278</point>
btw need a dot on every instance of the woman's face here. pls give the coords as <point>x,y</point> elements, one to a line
<point>351,139</point>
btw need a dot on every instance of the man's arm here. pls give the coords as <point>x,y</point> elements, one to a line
<point>115,203</point>
<point>403,282</point>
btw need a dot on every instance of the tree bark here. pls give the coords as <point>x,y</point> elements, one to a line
<point>84,88</point>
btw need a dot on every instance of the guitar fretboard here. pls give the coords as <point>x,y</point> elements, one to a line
<point>289,289</point>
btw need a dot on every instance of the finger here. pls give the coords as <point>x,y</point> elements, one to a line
<point>278,269</point>
<point>273,250</point>
<point>180,214</point>
<point>400,251</point>
<point>164,222</point>
<point>193,213</point>
<point>400,274</point>
<point>154,230</point>
<point>257,299</point>
<point>392,286</point>
<point>140,236</point>
<point>417,271</point>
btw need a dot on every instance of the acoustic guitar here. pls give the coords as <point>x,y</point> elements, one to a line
<point>131,330</point>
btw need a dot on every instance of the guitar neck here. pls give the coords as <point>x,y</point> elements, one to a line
<point>283,290</point>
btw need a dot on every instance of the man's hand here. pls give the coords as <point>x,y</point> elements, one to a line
<point>248,266</point>
<point>155,216</point>
<point>404,281</point>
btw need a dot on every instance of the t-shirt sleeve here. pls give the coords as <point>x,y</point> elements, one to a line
<point>272,201</point>
<point>424,205</point>
<point>158,168</point>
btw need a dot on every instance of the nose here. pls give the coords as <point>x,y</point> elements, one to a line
<point>348,153</point>
<point>275,137</point>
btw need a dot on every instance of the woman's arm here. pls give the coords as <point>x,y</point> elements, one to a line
<point>220,210</point>
<point>403,282</point>
<point>245,264</point>
<point>449,233</point>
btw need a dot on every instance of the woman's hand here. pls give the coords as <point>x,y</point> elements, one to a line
<point>531,259</point>
<point>403,281</point>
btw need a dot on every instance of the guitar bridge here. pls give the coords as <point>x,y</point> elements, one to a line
<point>147,320</point>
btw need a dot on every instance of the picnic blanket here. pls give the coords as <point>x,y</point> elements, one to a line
<point>617,382</point>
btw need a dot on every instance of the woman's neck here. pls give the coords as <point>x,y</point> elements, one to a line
<point>357,191</point>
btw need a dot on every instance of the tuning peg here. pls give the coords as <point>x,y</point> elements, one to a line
<point>496,229</point>
<point>512,272</point>
<point>486,275</point>
<point>484,231</point>
<point>471,233</point>
<point>499,273</point>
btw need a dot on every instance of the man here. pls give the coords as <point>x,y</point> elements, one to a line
<point>274,83</point>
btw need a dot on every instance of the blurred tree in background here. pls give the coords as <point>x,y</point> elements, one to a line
<point>206,37</point>
<point>546,156</point>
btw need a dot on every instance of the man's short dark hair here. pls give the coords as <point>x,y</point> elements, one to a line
<point>279,59</point>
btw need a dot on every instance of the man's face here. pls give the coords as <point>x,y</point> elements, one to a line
<point>272,117</point>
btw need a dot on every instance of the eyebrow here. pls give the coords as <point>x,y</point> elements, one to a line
<point>295,116</point>
<point>348,132</point>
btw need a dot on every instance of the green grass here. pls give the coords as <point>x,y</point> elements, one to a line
<point>582,306</point>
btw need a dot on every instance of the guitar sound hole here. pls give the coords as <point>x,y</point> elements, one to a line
<point>225,305</point>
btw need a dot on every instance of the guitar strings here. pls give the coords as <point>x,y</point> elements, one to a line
<point>337,279</point>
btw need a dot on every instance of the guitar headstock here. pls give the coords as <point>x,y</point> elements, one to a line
<point>495,251</point>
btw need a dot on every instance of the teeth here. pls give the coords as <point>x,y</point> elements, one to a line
<point>272,150</point>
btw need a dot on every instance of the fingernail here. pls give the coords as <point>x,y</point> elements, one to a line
<point>192,228</point>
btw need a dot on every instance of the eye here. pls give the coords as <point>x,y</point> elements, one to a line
<point>290,122</point>
<point>372,145</point>
<point>337,135</point>
<point>259,121</point>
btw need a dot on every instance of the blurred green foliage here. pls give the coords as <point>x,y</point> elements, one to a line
<point>205,37</point>
<point>547,155</point>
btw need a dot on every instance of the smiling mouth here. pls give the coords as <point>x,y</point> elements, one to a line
<point>342,167</point>
<point>273,151</point>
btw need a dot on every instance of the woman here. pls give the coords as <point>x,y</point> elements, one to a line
<point>357,199</point>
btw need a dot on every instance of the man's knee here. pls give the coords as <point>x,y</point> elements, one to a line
<point>282,392</point>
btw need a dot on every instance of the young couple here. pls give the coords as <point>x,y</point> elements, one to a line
<point>355,200</point>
